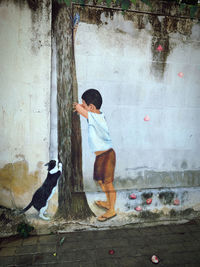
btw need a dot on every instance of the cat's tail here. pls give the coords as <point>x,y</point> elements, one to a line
<point>27,208</point>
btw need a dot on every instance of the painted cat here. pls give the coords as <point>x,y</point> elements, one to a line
<point>43,194</point>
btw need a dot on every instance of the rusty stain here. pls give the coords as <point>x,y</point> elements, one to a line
<point>16,178</point>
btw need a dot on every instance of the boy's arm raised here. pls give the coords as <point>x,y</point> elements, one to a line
<point>81,110</point>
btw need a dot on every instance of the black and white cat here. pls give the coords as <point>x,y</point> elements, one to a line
<point>42,196</point>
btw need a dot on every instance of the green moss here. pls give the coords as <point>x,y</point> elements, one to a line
<point>187,212</point>
<point>182,213</point>
<point>149,215</point>
<point>147,195</point>
<point>166,197</point>
<point>24,229</point>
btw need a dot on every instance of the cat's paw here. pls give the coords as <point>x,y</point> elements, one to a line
<point>44,217</point>
<point>60,167</point>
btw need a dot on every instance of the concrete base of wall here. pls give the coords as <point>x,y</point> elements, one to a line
<point>162,210</point>
<point>163,201</point>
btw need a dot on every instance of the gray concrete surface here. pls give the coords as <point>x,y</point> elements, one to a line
<point>175,245</point>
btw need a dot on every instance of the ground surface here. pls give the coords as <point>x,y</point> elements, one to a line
<point>175,245</point>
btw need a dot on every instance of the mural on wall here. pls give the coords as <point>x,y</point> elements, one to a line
<point>145,67</point>
<point>44,194</point>
<point>101,145</point>
<point>135,61</point>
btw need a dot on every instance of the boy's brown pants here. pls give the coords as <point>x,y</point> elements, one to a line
<point>104,166</point>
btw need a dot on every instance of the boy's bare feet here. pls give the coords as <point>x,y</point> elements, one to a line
<point>106,216</point>
<point>102,204</point>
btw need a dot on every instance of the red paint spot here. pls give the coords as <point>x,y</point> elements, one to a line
<point>133,196</point>
<point>180,74</point>
<point>149,200</point>
<point>146,118</point>
<point>111,251</point>
<point>159,48</point>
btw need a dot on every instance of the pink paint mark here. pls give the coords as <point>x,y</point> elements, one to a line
<point>149,201</point>
<point>154,259</point>
<point>176,202</point>
<point>133,196</point>
<point>146,118</point>
<point>138,208</point>
<point>180,74</point>
<point>160,48</point>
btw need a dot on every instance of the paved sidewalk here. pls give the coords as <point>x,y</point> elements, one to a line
<point>175,245</point>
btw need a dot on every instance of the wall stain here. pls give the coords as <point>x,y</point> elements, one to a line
<point>92,15</point>
<point>33,4</point>
<point>161,29</point>
<point>166,197</point>
<point>16,181</point>
<point>184,165</point>
<point>40,14</point>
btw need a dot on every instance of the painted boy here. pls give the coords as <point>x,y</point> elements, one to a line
<point>101,144</point>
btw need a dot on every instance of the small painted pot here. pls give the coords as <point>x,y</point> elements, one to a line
<point>138,208</point>
<point>146,118</point>
<point>149,200</point>
<point>132,196</point>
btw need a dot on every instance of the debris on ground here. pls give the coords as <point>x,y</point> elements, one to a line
<point>154,259</point>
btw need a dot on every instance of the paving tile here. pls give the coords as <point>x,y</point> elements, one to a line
<point>175,245</point>
<point>140,241</point>
<point>24,260</point>
<point>172,248</point>
<point>191,265</point>
<point>8,251</point>
<point>5,261</point>
<point>180,258</point>
<point>30,241</point>
<point>76,255</point>
<point>26,250</point>
<point>145,251</point>
<point>134,261</point>
<point>120,242</point>
<point>81,244</point>
<point>168,239</point>
<point>191,245</point>
<point>87,264</point>
<point>107,263</point>
<point>48,239</point>
<point>60,264</point>
<point>47,258</point>
<point>46,248</point>
<point>126,233</point>
<point>12,242</point>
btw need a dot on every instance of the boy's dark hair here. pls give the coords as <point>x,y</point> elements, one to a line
<point>92,96</point>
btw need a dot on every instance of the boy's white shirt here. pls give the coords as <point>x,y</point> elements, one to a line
<point>98,133</point>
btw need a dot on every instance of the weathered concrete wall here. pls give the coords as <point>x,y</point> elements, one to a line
<point>117,54</point>
<point>25,55</point>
